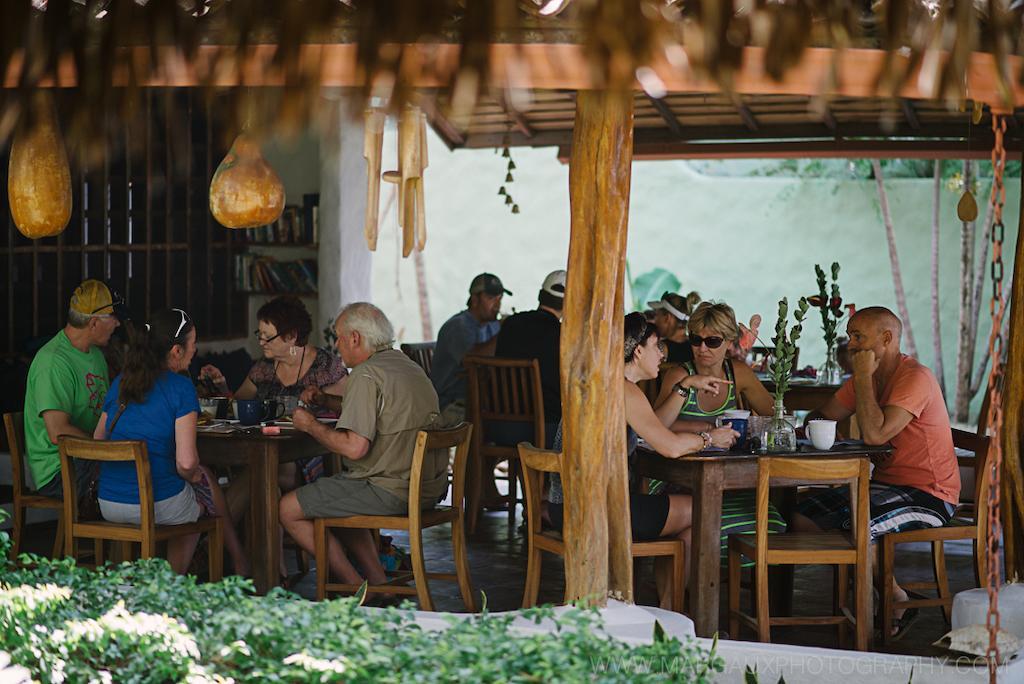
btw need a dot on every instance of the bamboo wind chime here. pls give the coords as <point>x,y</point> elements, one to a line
<point>412,160</point>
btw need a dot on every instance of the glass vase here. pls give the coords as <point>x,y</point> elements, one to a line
<point>781,435</point>
<point>830,372</point>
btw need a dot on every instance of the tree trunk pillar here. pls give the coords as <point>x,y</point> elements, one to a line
<point>597,534</point>
<point>1011,477</point>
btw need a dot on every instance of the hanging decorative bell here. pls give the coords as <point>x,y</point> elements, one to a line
<point>508,177</point>
<point>511,165</point>
<point>506,153</point>
<point>501,190</point>
<point>967,208</point>
<point>515,208</point>
<point>508,199</point>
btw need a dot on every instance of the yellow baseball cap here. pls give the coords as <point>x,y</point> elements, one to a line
<point>94,298</point>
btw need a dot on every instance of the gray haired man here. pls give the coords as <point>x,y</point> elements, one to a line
<point>388,399</point>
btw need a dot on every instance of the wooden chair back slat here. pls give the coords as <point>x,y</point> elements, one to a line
<point>504,389</point>
<point>535,463</point>
<point>422,353</point>
<point>431,440</point>
<point>854,472</point>
<point>71,448</point>
<point>15,426</point>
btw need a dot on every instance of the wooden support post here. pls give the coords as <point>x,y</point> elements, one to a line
<point>1012,477</point>
<point>598,559</point>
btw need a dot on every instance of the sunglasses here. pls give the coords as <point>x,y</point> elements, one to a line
<point>184,321</point>
<point>115,300</point>
<point>713,342</point>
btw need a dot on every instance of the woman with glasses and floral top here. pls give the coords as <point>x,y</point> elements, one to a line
<point>290,367</point>
<point>153,400</point>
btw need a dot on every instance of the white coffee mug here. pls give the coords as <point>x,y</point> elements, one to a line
<point>822,433</point>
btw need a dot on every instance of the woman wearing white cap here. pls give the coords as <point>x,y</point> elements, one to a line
<point>671,313</point>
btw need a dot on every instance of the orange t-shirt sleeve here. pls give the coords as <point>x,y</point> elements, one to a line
<point>911,393</point>
<point>847,396</point>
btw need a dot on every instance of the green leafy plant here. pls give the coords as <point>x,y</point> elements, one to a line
<point>141,622</point>
<point>650,286</point>
<point>781,368</point>
<point>829,305</point>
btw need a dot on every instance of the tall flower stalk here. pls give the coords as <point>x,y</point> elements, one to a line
<point>830,306</point>
<point>786,345</point>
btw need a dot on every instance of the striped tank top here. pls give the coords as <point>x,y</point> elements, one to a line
<point>691,409</point>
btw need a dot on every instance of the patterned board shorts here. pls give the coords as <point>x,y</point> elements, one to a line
<point>894,508</point>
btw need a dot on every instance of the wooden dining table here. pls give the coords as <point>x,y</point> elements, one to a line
<point>261,454</point>
<point>707,476</point>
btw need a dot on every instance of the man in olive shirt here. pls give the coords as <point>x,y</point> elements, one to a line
<point>67,383</point>
<point>388,400</point>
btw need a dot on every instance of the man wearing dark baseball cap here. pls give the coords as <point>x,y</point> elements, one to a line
<point>67,383</point>
<point>472,331</point>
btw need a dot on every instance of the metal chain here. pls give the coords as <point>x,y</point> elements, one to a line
<point>995,389</point>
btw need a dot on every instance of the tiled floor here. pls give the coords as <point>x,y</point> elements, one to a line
<point>498,569</point>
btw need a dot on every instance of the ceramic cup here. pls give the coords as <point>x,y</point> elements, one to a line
<point>737,419</point>
<point>822,433</point>
<point>253,411</point>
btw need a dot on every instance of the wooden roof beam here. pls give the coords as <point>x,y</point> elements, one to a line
<point>518,120</point>
<point>828,118</point>
<point>910,114</point>
<point>448,131</point>
<point>746,115</point>
<point>547,66</point>
<point>666,113</point>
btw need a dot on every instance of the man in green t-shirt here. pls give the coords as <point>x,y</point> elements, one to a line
<point>66,385</point>
<point>388,400</point>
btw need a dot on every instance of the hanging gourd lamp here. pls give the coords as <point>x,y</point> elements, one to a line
<point>245,191</point>
<point>38,177</point>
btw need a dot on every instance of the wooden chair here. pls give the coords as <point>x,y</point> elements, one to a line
<point>24,498</point>
<point>415,522</point>
<point>500,390</point>
<point>535,463</point>
<point>831,548</point>
<point>422,353</point>
<point>969,522</point>
<point>147,533</point>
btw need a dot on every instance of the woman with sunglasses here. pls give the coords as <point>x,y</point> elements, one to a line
<point>154,401</point>
<point>713,329</point>
<point>660,515</point>
<point>683,407</point>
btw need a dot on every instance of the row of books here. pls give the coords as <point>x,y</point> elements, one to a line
<point>296,225</point>
<point>255,273</point>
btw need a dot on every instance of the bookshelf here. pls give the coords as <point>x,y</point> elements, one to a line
<point>280,258</point>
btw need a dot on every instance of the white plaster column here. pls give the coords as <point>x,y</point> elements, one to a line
<point>344,260</point>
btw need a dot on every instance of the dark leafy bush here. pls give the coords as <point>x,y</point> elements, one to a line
<point>140,622</point>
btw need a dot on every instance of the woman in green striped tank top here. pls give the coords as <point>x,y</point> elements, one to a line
<point>713,329</point>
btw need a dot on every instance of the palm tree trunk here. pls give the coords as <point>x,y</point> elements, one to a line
<point>940,371</point>
<point>965,344</point>
<point>894,260</point>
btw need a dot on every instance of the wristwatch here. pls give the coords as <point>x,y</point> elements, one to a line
<point>706,436</point>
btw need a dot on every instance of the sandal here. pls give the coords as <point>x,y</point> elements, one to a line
<point>899,626</point>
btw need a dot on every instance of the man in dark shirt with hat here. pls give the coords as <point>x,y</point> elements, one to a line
<point>471,331</point>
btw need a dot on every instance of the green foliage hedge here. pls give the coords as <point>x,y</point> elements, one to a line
<point>140,622</point>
